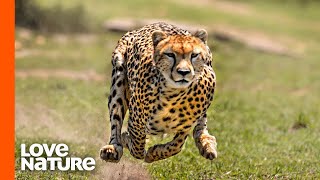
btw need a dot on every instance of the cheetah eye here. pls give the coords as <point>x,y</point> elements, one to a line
<point>194,55</point>
<point>171,55</point>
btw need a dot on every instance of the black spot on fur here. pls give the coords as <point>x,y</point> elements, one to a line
<point>119,100</point>
<point>183,121</point>
<point>119,83</point>
<point>187,126</point>
<point>166,119</point>
<point>114,93</point>
<point>116,117</point>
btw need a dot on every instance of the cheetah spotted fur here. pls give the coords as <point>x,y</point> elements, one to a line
<point>163,75</point>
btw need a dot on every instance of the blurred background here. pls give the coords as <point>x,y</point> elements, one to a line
<point>265,114</point>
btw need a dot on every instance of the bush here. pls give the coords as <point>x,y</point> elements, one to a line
<point>55,19</point>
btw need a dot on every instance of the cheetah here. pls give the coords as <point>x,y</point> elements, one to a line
<point>163,75</point>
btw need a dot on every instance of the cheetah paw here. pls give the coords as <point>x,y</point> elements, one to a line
<point>111,153</point>
<point>207,146</point>
<point>149,157</point>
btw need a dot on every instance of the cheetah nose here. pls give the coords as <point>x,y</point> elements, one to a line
<point>183,72</point>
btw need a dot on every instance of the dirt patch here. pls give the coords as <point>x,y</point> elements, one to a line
<point>24,34</point>
<point>255,40</point>
<point>78,38</point>
<point>21,53</point>
<point>225,6</point>
<point>40,121</point>
<point>88,75</point>
<point>83,38</point>
<point>124,170</point>
<point>54,54</point>
<point>252,39</point>
<point>301,92</point>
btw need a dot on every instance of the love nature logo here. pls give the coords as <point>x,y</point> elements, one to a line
<point>42,157</point>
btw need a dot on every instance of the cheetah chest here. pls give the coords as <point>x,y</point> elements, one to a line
<point>176,112</point>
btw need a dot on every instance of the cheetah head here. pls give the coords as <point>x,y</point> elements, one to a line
<point>180,58</point>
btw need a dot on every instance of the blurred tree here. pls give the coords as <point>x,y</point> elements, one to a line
<point>26,13</point>
<point>54,19</point>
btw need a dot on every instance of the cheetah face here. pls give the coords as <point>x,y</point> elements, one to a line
<point>180,58</point>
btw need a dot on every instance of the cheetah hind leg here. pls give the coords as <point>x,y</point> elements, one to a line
<point>125,137</point>
<point>163,151</point>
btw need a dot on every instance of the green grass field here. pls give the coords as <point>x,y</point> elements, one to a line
<point>265,114</point>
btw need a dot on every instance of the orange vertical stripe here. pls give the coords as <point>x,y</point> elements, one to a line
<point>7,89</point>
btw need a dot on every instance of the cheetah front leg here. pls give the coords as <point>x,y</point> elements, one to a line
<point>117,108</point>
<point>163,151</point>
<point>205,142</point>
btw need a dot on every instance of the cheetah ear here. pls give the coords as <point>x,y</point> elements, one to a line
<point>202,35</point>
<point>158,36</point>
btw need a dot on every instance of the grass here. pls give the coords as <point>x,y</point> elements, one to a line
<point>266,17</point>
<point>265,114</point>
